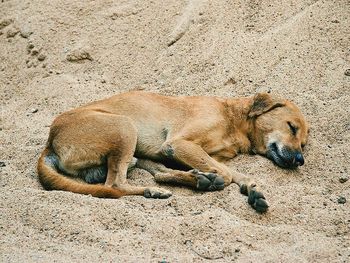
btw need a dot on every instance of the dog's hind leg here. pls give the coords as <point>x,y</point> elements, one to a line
<point>99,147</point>
<point>118,163</point>
<point>116,177</point>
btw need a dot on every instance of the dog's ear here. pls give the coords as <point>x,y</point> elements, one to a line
<point>264,102</point>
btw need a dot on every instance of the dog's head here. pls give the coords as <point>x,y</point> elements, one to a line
<point>280,130</point>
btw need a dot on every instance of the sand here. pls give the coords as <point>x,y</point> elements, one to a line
<point>57,55</point>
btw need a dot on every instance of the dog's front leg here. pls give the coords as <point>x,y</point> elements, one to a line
<point>212,174</point>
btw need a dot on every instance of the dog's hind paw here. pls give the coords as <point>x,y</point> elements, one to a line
<point>257,200</point>
<point>208,181</point>
<point>155,192</point>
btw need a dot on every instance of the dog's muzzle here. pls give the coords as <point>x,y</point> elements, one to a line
<point>285,157</point>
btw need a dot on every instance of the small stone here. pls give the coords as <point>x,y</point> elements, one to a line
<point>41,57</point>
<point>347,72</point>
<point>25,33</point>
<point>237,250</point>
<point>78,55</point>
<point>343,178</point>
<point>103,81</point>
<point>12,32</point>
<point>33,110</point>
<point>2,164</point>
<point>30,46</point>
<point>35,52</point>
<point>230,81</point>
<point>5,22</point>
<point>341,200</point>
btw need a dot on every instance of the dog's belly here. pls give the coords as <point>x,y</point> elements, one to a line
<point>149,142</point>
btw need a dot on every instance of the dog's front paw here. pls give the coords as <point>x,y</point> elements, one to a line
<point>208,181</point>
<point>257,200</point>
<point>155,192</point>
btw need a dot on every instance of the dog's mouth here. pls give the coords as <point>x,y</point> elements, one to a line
<point>284,157</point>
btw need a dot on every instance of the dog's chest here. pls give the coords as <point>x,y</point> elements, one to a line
<point>227,147</point>
<point>224,150</point>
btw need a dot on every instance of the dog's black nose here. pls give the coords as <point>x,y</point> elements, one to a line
<point>299,159</point>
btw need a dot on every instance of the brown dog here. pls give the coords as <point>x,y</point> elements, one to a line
<point>97,143</point>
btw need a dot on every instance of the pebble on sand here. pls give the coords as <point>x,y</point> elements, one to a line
<point>12,32</point>
<point>34,52</point>
<point>30,46</point>
<point>25,33</point>
<point>78,55</point>
<point>41,57</point>
<point>343,178</point>
<point>341,200</point>
<point>5,22</point>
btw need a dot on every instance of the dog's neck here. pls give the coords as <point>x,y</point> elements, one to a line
<point>238,109</point>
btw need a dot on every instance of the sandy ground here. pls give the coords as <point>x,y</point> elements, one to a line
<point>56,55</point>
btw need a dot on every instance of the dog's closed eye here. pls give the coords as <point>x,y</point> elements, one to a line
<point>292,128</point>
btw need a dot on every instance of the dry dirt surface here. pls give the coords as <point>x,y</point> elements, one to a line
<point>57,55</point>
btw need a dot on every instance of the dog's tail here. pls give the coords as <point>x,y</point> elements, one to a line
<point>51,179</point>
